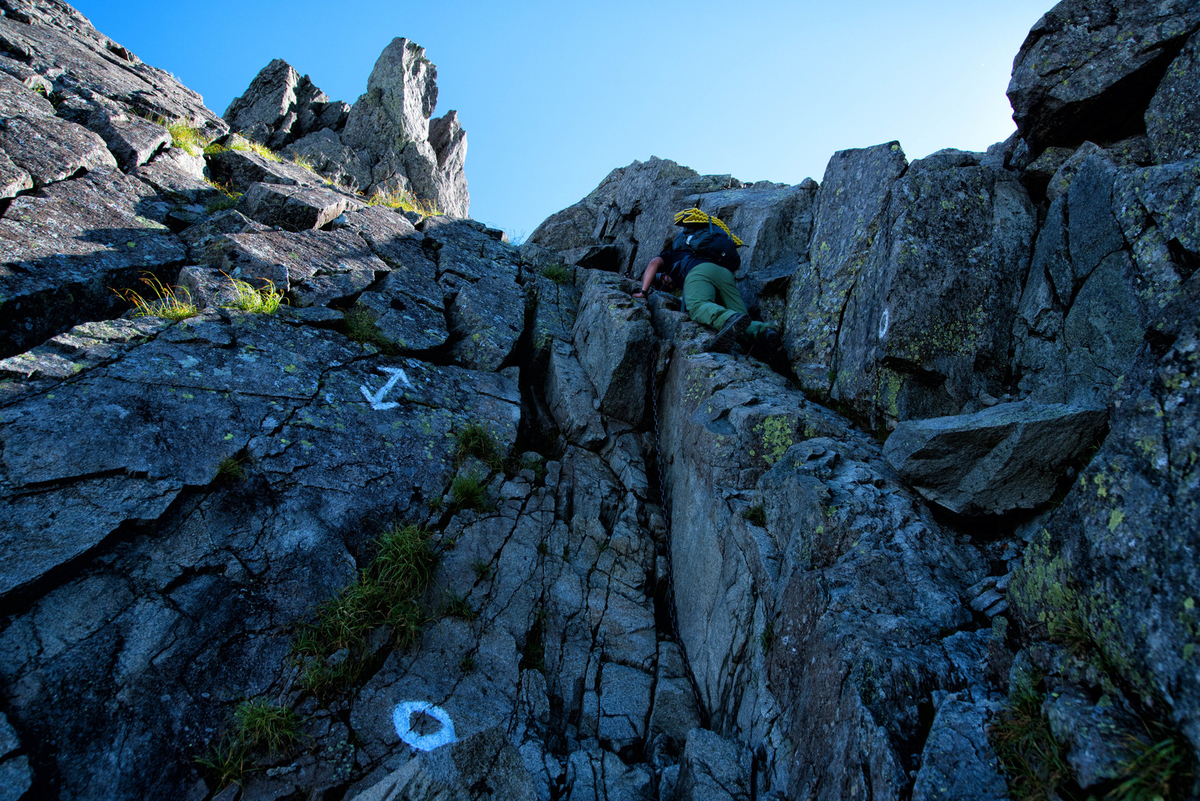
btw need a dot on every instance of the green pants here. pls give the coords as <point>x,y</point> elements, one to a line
<point>711,298</point>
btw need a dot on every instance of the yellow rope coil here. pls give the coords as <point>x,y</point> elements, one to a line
<point>695,216</point>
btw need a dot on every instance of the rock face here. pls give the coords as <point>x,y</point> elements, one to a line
<point>386,143</point>
<point>995,461</point>
<point>1089,67</point>
<point>461,520</point>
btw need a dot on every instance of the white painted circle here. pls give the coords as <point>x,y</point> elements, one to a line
<point>402,719</point>
<point>883,324</point>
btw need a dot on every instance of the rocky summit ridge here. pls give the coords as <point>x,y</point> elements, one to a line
<point>348,499</point>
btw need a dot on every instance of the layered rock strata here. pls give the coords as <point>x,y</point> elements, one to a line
<point>652,572</point>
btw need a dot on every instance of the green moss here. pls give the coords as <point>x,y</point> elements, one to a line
<point>776,432</point>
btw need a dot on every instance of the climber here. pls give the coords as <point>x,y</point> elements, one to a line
<point>701,260</point>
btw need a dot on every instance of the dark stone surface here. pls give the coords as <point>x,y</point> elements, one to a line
<point>1171,119</point>
<point>850,213</point>
<point>996,461</point>
<point>295,208</point>
<point>1089,68</point>
<point>65,248</point>
<point>927,327</point>
<point>315,268</point>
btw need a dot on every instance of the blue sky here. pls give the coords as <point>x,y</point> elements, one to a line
<point>555,95</point>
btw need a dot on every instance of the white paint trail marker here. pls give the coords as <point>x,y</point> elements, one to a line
<point>376,399</point>
<point>402,719</point>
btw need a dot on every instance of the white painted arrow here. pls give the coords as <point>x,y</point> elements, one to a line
<point>376,399</point>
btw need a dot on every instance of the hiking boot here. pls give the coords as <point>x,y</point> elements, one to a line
<point>769,344</point>
<point>725,339</point>
<point>774,353</point>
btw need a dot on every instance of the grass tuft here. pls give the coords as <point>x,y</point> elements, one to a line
<point>302,161</point>
<point>247,145</point>
<point>474,439</point>
<point>360,327</point>
<point>187,137</point>
<point>1033,760</point>
<point>404,201</point>
<point>227,200</point>
<point>1159,770</point>
<point>756,515</point>
<point>263,724</point>
<point>227,761</point>
<point>767,638</point>
<point>230,470</point>
<point>536,464</point>
<point>260,300</point>
<point>257,724</point>
<point>556,273</point>
<point>387,593</point>
<point>482,569</point>
<point>467,492</point>
<point>166,303</point>
<point>533,655</point>
<point>458,606</point>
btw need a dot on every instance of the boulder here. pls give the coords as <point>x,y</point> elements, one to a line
<point>1171,118</point>
<point>13,179</point>
<point>120,438</point>
<point>483,766</point>
<point>486,318</point>
<point>1096,737</point>
<point>674,713</point>
<point>1112,262</point>
<point>50,149</point>
<point>295,208</point>
<point>280,107</point>
<point>613,339</point>
<point>958,760</point>
<point>849,215</point>
<point>597,775</point>
<point>17,99</point>
<point>15,772</point>
<point>1089,68</point>
<point>237,166</point>
<point>554,312</point>
<point>1012,456</point>
<point>803,639</point>
<point>315,268</point>
<point>630,213</point>
<point>325,151</point>
<point>571,398</point>
<point>131,139</point>
<point>926,330</point>
<point>1107,560</point>
<point>56,41</point>
<point>66,247</point>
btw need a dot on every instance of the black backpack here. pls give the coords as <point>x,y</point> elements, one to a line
<point>707,243</point>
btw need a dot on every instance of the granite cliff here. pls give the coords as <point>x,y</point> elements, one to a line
<point>311,492</point>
